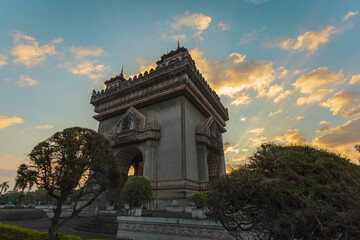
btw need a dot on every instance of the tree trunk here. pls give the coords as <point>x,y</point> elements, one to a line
<point>55,221</point>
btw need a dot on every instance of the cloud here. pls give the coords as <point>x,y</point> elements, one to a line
<point>341,138</point>
<point>291,136</point>
<point>8,121</point>
<point>223,26</point>
<point>248,37</point>
<point>196,21</point>
<point>3,60</point>
<point>299,118</point>
<point>355,79</point>
<point>275,113</point>
<point>29,52</point>
<point>81,52</point>
<point>145,65</point>
<point>345,103</point>
<point>257,141</point>
<point>316,83</point>
<point>234,74</point>
<point>350,14</point>
<point>324,126</point>
<point>257,131</point>
<point>175,37</point>
<point>275,91</point>
<point>242,100</point>
<point>44,127</point>
<point>283,74</point>
<point>242,119</point>
<point>91,70</point>
<point>309,41</point>
<point>256,2</point>
<point>25,81</point>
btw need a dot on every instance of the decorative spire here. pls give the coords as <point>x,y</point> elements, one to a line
<point>122,70</point>
<point>178,43</point>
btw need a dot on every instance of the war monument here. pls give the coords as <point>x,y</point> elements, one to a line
<point>167,125</point>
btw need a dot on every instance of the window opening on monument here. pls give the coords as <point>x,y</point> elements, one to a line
<point>213,166</point>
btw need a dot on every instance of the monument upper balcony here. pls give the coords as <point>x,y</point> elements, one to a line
<point>172,65</point>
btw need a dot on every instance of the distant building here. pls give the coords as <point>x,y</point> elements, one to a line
<point>165,125</point>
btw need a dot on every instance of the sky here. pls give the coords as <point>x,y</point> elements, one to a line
<point>288,71</point>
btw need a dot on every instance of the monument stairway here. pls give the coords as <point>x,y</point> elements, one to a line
<point>106,224</point>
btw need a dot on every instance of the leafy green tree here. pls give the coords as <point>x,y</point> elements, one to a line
<point>76,158</point>
<point>289,192</point>
<point>136,191</point>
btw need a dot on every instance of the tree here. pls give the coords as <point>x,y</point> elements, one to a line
<point>289,192</point>
<point>4,187</point>
<point>76,158</point>
<point>137,191</point>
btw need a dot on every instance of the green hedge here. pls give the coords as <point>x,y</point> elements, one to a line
<point>9,232</point>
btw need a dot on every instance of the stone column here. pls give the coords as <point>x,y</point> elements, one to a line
<point>150,162</point>
<point>202,162</point>
<point>222,168</point>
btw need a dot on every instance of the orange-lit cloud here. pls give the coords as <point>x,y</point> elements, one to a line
<point>317,84</point>
<point>309,41</point>
<point>300,118</point>
<point>355,79</point>
<point>275,113</point>
<point>9,121</point>
<point>44,127</point>
<point>25,81</point>
<point>324,126</point>
<point>90,69</point>
<point>341,139</point>
<point>345,103</point>
<point>257,131</point>
<point>242,100</point>
<point>196,21</point>
<point>283,74</point>
<point>3,60</point>
<point>291,136</point>
<point>350,14</point>
<point>234,74</point>
<point>145,65</point>
<point>275,91</point>
<point>81,52</point>
<point>29,52</point>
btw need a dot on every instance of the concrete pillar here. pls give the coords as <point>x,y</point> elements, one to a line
<point>222,168</point>
<point>202,162</point>
<point>150,163</point>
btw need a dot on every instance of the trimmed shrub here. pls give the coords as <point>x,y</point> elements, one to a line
<point>9,232</point>
<point>137,191</point>
<point>199,199</point>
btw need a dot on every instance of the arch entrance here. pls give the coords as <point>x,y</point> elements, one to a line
<point>130,161</point>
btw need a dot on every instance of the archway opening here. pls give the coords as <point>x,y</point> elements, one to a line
<point>130,162</point>
<point>213,166</point>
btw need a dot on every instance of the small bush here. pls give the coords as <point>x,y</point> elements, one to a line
<point>199,199</point>
<point>137,191</point>
<point>9,232</point>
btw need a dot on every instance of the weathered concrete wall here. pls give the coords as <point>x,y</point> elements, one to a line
<point>192,118</point>
<point>168,115</point>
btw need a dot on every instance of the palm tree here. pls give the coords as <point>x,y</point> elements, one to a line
<point>4,187</point>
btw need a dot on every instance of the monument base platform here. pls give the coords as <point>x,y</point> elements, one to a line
<point>169,228</point>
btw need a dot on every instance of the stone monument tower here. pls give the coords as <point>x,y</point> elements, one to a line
<point>165,125</point>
